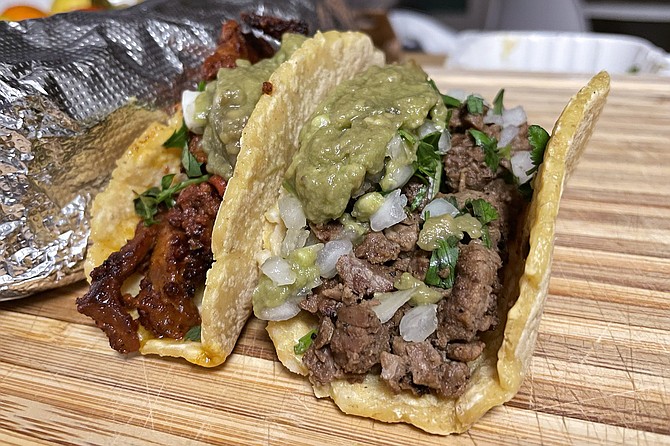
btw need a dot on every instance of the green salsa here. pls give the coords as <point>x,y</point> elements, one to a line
<point>346,138</point>
<point>233,97</point>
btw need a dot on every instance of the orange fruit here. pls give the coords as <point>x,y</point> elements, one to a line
<point>16,13</point>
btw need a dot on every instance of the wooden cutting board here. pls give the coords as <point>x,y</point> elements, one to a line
<point>600,373</point>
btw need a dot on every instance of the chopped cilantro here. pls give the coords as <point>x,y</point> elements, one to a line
<point>191,165</point>
<point>304,342</point>
<point>407,136</point>
<point>146,204</point>
<point>482,209</point>
<point>428,164</point>
<point>449,101</point>
<point>490,147</point>
<point>475,104</point>
<point>178,139</point>
<point>202,85</point>
<point>193,334</point>
<point>443,258</point>
<point>538,138</point>
<point>498,102</point>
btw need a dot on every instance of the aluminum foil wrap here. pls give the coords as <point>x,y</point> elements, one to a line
<point>75,90</point>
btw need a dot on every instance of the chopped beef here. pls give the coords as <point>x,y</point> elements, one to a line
<point>376,248</point>
<point>324,333</point>
<point>464,165</point>
<point>232,46</point>
<point>414,365</point>
<point>465,352</point>
<point>358,339</point>
<point>103,301</point>
<point>321,365</point>
<point>267,87</point>
<point>416,190</point>
<point>405,233</point>
<point>362,277</point>
<point>416,263</point>
<point>462,120</point>
<point>195,147</point>
<point>467,310</point>
<point>326,232</point>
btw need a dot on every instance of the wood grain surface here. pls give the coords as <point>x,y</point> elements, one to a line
<point>600,373</point>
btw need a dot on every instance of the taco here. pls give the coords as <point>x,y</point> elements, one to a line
<point>173,236</point>
<point>407,259</point>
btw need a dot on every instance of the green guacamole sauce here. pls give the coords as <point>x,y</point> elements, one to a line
<point>346,137</point>
<point>233,99</point>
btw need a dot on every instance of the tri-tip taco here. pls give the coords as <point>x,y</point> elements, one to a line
<point>406,261</point>
<point>173,236</point>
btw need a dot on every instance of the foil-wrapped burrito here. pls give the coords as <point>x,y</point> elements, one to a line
<point>75,90</point>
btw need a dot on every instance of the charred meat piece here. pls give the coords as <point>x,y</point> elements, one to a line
<point>362,277</point>
<point>103,301</point>
<point>376,248</point>
<point>274,26</point>
<point>179,263</point>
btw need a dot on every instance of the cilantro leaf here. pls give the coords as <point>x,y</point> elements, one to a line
<point>443,258</point>
<point>449,101</point>
<point>178,139</point>
<point>407,136</point>
<point>193,334</point>
<point>486,236</point>
<point>538,138</point>
<point>202,85</point>
<point>475,104</point>
<point>147,203</point>
<point>428,164</point>
<point>482,209</point>
<point>490,147</point>
<point>498,102</point>
<point>191,165</point>
<point>304,342</point>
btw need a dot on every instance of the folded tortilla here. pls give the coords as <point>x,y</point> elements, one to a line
<point>497,374</point>
<point>268,143</point>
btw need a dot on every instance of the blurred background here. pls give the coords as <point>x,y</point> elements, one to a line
<point>624,37</point>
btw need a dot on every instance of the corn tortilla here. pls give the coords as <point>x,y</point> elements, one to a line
<point>497,374</point>
<point>268,143</point>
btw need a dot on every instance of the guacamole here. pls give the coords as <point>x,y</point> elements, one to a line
<point>233,97</point>
<point>346,138</point>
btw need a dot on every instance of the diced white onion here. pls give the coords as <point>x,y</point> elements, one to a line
<point>326,259</point>
<point>508,134</point>
<point>391,212</point>
<point>396,147</point>
<point>291,212</point>
<point>188,109</point>
<point>457,93</point>
<point>294,239</point>
<point>390,302</point>
<point>419,323</point>
<point>426,129</point>
<point>514,116</point>
<point>279,270</point>
<point>444,143</point>
<point>398,177</point>
<point>439,206</point>
<point>491,118</point>
<point>521,163</point>
<point>283,312</point>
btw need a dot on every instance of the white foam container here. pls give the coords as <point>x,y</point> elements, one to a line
<point>558,52</point>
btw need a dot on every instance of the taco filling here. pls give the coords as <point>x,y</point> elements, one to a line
<point>392,227</point>
<point>171,247</point>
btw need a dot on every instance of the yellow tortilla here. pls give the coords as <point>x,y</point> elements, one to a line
<point>268,143</point>
<point>498,373</point>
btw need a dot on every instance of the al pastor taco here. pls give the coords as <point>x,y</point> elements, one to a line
<point>173,236</point>
<point>407,259</point>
